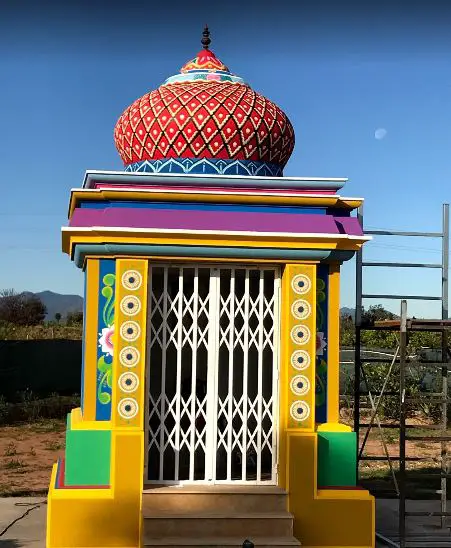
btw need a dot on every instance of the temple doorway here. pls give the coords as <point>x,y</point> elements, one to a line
<point>212,374</point>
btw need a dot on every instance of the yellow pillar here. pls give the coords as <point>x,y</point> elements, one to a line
<point>298,349</point>
<point>90,335</point>
<point>333,341</point>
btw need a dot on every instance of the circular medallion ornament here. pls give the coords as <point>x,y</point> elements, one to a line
<point>299,411</point>
<point>301,284</point>
<point>128,382</point>
<point>300,334</point>
<point>300,360</point>
<point>128,408</point>
<point>129,356</point>
<point>130,331</point>
<point>300,385</point>
<point>130,305</point>
<point>132,280</point>
<point>301,309</point>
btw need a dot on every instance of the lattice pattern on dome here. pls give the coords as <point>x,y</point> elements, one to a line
<point>204,120</point>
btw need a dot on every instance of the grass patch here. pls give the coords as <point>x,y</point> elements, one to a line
<point>52,445</point>
<point>11,450</point>
<point>27,408</point>
<point>8,491</point>
<point>48,426</point>
<point>13,464</point>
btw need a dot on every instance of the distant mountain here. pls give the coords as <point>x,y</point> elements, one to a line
<point>345,311</point>
<point>57,303</point>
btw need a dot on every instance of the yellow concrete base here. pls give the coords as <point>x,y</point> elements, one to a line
<point>101,517</point>
<point>325,517</point>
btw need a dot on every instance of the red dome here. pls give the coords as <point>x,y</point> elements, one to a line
<point>204,112</point>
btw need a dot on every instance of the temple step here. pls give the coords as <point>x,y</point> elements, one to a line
<point>217,516</point>
<point>217,499</point>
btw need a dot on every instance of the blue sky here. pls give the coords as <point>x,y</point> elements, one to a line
<point>341,72</point>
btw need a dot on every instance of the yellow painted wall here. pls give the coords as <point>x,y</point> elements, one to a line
<point>328,518</point>
<point>112,517</point>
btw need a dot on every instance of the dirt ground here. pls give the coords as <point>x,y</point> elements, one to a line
<point>27,453</point>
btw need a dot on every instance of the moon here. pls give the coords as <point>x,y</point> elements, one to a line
<point>380,133</point>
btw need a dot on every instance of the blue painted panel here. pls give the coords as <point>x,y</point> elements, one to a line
<point>322,290</point>
<point>182,206</point>
<point>105,350</point>
<point>338,212</point>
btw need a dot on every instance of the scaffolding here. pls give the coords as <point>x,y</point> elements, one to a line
<point>398,365</point>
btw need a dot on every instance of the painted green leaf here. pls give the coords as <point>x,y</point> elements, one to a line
<point>102,365</point>
<point>109,378</point>
<point>109,314</point>
<point>109,279</point>
<point>104,397</point>
<point>107,292</point>
<point>320,392</point>
<point>320,319</point>
<point>322,367</point>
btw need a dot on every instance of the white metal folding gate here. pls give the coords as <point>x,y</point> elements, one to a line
<point>212,378</point>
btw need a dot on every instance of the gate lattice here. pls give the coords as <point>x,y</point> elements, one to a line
<point>212,375</point>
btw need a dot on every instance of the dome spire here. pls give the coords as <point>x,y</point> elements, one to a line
<point>206,41</point>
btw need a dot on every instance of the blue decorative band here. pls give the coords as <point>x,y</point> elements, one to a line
<point>209,166</point>
<point>239,253</point>
<point>204,74</point>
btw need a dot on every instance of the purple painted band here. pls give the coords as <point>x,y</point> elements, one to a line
<point>216,221</point>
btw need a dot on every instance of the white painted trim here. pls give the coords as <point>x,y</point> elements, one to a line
<point>194,376</point>
<point>276,373</point>
<point>176,231</point>
<point>92,176</point>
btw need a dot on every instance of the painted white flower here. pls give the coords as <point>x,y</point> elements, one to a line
<point>106,340</point>
<point>320,343</point>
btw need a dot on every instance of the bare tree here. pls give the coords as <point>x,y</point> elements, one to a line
<point>21,308</point>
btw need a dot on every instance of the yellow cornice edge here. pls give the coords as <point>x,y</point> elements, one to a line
<point>245,197</point>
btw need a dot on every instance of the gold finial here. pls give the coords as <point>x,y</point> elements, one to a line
<point>206,38</point>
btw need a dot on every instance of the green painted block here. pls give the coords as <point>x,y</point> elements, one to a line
<point>337,459</point>
<point>88,457</point>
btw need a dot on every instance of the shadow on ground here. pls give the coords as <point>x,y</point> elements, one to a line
<point>10,543</point>
<point>420,484</point>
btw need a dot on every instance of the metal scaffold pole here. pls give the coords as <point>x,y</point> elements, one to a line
<point>402,429</point>
<point>407,400</point>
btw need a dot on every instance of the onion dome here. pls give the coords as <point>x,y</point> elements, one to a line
<point>204,120</point>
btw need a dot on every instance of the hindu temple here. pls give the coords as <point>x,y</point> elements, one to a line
<point>210,378</point>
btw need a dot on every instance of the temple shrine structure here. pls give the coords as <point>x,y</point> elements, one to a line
<point>210,378</point>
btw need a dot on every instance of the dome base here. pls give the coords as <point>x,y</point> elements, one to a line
<point>210,166</point>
